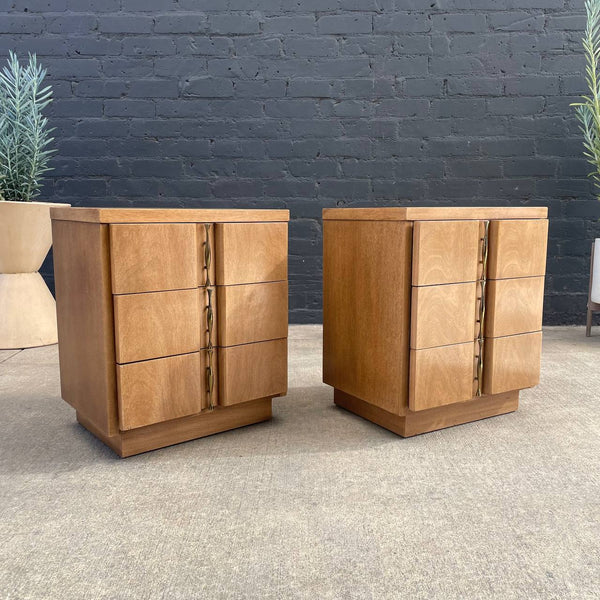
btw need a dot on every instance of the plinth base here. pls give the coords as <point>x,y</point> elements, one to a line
<point>423,421</point>
<point>151,437</point>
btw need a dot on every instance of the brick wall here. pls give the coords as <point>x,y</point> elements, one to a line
<point>307,104</point>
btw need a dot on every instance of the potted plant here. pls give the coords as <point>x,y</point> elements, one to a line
<point>27,308</point>
<point>588,113</point>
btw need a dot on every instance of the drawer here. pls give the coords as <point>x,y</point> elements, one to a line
<point>159,390</point>
<point>252,371</point>
<point>157,324</point>
<point>440,376</point>
<point>514,306</point>
<point>512,362</point>
<point>152,257</point>
<point>445,252</point>
<point>517,248</point>
<point>442,315</point>
<point>252,313</point>
<point>251,252</point>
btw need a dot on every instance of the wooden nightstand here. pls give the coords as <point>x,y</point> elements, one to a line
<point>432,316</point>
<point>172,324</point>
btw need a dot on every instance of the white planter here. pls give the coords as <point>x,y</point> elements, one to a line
<point>595,296</point>
<point>27,308</point>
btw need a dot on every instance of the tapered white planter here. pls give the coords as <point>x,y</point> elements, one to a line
<point>27,308</point>
<point>595,294</point>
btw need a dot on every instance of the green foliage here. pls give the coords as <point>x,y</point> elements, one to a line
<point>24,132</point>
<point>588,111</point>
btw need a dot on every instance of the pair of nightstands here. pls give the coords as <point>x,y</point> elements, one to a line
<point>173,323</point>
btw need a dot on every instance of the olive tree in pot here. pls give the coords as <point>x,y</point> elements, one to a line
<point>27,309</point>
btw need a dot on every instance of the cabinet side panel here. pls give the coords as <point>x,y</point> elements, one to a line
<point>366,310</point>
<point>85,321</point>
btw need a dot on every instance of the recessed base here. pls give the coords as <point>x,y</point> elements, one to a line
<point>27,312</point>
<point>222,418</point>
<point>415,423</point>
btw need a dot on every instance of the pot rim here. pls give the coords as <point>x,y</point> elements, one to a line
<point>33,203</point>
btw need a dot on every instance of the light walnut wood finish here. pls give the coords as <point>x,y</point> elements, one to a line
<point>366,310</point>
<point>143,439</point>
<point>442,315</point>
<point>512,363</point>
<point>445,252</point>
<point>252,371</point>
<point>251,252</point>
<point>440,376</point>
<point>252,313</point>
<point>416,423</point>
<point>435,213</point>
<point>167,215</point>
<point>517,249</point>
<point>159,390</point>
<point>155,257</point>
<point>157,324</point>
<point>84,309</point>
<point>514,306</point>
<point>149,387</point>
<point>447,304</point>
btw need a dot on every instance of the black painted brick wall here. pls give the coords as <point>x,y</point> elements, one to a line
<point>307,104</point>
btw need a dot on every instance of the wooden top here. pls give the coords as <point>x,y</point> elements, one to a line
<point>167,215</point>
<point>433,213</point>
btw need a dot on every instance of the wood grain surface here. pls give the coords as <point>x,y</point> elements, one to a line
<point>252,371</point>
<point>167,215</point>
<point>514,306</point>
<point>251,252</point>
<point>157,324</point>
<point>512,362</point>
<point>445,252</point>
<point>442,315</point>
<point>415,423</point>
<point>159,390</point>
<point>167,433</point>
<point>252,313</point>
<point>366,310</point>
<point>84,310</point>
<point>517,248</point>
<point>153,257</point>
<point>435,213</point>
<point>440,376</point>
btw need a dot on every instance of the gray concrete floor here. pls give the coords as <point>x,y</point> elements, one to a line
<point>317,503</point>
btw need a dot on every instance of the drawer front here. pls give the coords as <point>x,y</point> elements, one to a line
<point>157,324</point>
<point>252,313</point>
<point>445,252</point>
<point>442,315</point>
<point>252,371</point>
<point>440,376</point>
<point>517,248</point>
<point>512,363</point>
<point>251,252</point>
<point>514,306</point>
<point>153,257</point>
<point>159,390</point>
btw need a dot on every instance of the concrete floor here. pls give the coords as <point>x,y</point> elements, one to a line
<point>315,504</point>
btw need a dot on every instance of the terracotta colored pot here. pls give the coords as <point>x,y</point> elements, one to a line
<point>27,308</point>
